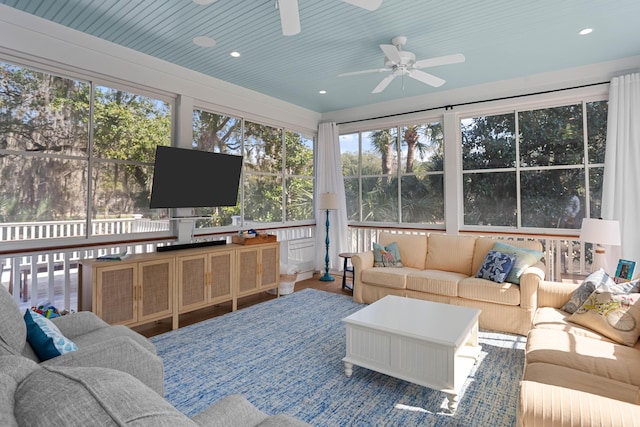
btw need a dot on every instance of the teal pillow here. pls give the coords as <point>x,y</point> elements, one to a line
<point>45,338</point>
<point>525,258</point>
<point>386,256</point>
<point>496,266</point>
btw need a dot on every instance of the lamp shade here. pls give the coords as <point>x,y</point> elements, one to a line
<point>600,231</point>
<point>328,201</point>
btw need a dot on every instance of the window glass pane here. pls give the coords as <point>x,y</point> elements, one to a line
<point>423,199</point>
<point>551,136</point>
<point>121,194</point>
<point>299,193</point>
<point>129,126</point>
<point>380,199</point>
<point>41,112</point>
<point>488,142</point>
<point>262,198</point>
<point>422,147</point>
<point>352,193</point>
<point>349,149</point>
<point>262,148</point>
<point>595,191</point>
<point>597,130</point>
<point>42,189</point>
<point>299,158</point>
<point>552,198</point>
<point>380,152</point>
<point>217,133</point>
<point>217,217</point>
<point>490,199</point>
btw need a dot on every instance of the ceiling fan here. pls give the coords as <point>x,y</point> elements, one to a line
<point>403,63</point>
<point>290,17</point>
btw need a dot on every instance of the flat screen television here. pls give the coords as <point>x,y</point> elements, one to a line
<point>184,178</point>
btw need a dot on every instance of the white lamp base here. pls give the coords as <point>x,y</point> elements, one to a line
<point>599,260</point>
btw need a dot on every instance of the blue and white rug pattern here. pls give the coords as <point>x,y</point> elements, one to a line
<point>285,356</point>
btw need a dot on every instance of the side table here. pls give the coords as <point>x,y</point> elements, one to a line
<point>347,270</point>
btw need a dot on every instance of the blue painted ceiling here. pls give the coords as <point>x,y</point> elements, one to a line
<point>501,39</point>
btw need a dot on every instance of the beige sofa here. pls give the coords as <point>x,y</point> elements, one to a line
<point>574,376</point>
<point>442,268</point>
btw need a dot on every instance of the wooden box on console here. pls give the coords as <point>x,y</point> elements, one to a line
<point>260,238</point>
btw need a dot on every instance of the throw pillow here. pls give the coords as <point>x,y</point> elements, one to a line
<point>525,258</point>
<point>45,338</point>
<point>615,316</point>
<point>386,256</point>
<point>586,288</point>
<point>496,266</point>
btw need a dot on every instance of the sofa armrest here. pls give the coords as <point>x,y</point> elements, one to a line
<point>80,323</point>
<point>360,262</point>
<point>555,294</point>
<point>120,353</point>
<point>549,405</point>
<point>529,282</point>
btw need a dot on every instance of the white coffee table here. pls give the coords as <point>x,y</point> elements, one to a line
<point>430,344</point>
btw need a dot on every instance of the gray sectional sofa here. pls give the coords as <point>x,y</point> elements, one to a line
<point>113,378</point>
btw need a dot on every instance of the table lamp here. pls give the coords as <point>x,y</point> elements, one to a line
<point>600,232</point>
<point>327,202</point>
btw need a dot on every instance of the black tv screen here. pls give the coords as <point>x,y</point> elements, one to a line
<point>184,178</point>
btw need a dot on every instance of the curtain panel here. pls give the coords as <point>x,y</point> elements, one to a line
<point>620,187</point>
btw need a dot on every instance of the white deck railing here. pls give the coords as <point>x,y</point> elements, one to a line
<point>51,275</point>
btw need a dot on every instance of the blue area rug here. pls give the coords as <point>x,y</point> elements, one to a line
<point>285,356</point>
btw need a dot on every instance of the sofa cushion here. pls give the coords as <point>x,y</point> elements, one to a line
<point>477,289</point>
<point>576,380</point>
<point>450,253</point>
<point>525,258</point>
<point>598,357</point>
<point>496,266</point>
<point>13,331</point>
<point>386,256</point>
<point>616,316</point>
<point>91,396</point>
<point>435,282</point>
<point>388,277</point>
<point>555,318</point>
<point>45,338</point>
<point>413,247</point>
<point>586,288</point>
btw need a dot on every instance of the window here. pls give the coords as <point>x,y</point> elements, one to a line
<point>537,168</point>
<point>51,180</point>
<point>277,180</point>
<point>395,175</point>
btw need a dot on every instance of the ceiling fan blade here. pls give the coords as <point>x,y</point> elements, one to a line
<point>365,4</point>
<point>440,60</point>
<point>391,52</point>
<point>383,84</point>
<point>355,73</point>
<point>423,77</point>
<point>289,17</point>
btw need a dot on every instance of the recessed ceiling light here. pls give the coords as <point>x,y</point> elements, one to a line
<point>235,54</point>
<point>322,92</point>
<point>204,41</point>
<point>203,2</point>
<point>586,31</point>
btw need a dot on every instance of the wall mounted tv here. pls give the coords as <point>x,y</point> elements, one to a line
<point>184,178</point>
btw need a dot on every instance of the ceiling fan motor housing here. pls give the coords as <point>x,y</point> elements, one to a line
<point>407,59</point>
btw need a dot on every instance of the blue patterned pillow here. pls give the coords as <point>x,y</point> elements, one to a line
<point>496,266</point>
<point>525,258</point>
<point>386,256</point>
<point>45,338</point>
<point>586,288</point>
